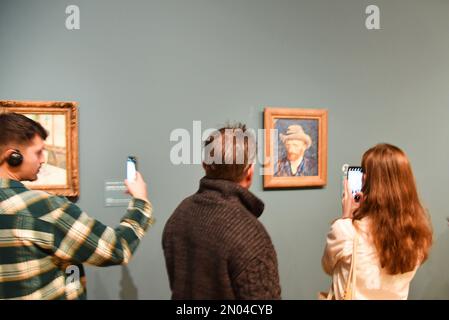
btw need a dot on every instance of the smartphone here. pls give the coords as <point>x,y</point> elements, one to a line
<point>131,168</point>
<point>355,175</point>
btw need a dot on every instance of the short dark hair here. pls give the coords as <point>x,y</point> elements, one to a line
<point>17,128</point>
<point>229,153</point>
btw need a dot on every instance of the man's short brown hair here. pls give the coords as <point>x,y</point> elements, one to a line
<point>16,128</point>
<point>229,153</point>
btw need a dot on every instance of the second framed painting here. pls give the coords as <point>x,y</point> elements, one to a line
<point>295,148</point>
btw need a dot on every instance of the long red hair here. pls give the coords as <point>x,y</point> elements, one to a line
<point>400,226</point>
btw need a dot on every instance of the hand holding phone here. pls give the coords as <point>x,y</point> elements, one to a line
<point>355,177</point>
<point>137,187</point>
<point>352,190</point>
<point>131,168</point>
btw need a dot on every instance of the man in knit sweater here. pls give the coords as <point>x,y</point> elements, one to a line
<point>214,245</point>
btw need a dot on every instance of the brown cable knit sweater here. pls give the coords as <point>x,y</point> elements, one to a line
<point>215,248</point>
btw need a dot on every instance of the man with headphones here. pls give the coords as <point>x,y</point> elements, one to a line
<point>45,239</point>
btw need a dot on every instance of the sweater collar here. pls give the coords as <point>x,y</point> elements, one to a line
<point>9,183</point>
<point>229,189</point>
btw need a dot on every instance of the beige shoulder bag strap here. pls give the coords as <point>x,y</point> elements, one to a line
<point>350,285</point>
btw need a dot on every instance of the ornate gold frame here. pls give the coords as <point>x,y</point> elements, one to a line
<point>320,180</point>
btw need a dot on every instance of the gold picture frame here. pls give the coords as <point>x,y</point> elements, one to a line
<point>288,132</point>
<point>60,174</point>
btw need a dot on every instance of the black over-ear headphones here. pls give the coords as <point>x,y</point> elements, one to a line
<point>15,159</point>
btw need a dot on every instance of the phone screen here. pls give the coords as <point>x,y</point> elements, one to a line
<point>131,168</point>
<point>355,176</point>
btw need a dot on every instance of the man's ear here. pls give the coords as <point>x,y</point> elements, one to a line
<point>250,172</point>
<point>211,166</point>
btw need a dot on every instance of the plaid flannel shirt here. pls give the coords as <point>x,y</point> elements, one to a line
<point>44,239</point>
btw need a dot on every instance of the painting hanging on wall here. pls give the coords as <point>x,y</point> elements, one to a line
<point>295,147</point>
<point>60,173</point>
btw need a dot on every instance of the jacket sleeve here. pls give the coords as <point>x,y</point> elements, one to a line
<point>339,244</point>
<point>80,239</point>
<point>260,279</point>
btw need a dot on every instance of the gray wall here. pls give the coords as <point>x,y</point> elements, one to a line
<point>140,69</point>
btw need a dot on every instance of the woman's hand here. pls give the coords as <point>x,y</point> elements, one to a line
<point>349,203</point>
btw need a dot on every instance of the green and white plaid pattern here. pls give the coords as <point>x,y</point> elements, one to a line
<point>42,234</point>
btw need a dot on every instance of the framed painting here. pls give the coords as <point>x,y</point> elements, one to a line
<point>60,173</point>
<point>295,148</point>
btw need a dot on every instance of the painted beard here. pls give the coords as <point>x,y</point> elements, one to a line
<point>292,156</point>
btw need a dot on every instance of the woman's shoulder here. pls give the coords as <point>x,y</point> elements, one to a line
<point>348,227</point>
<point>342,227</point>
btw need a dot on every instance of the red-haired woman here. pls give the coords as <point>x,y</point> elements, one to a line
<point>391,229</point>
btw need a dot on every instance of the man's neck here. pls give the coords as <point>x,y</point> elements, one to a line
<point>6,174</point>
<point>244,184</point>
